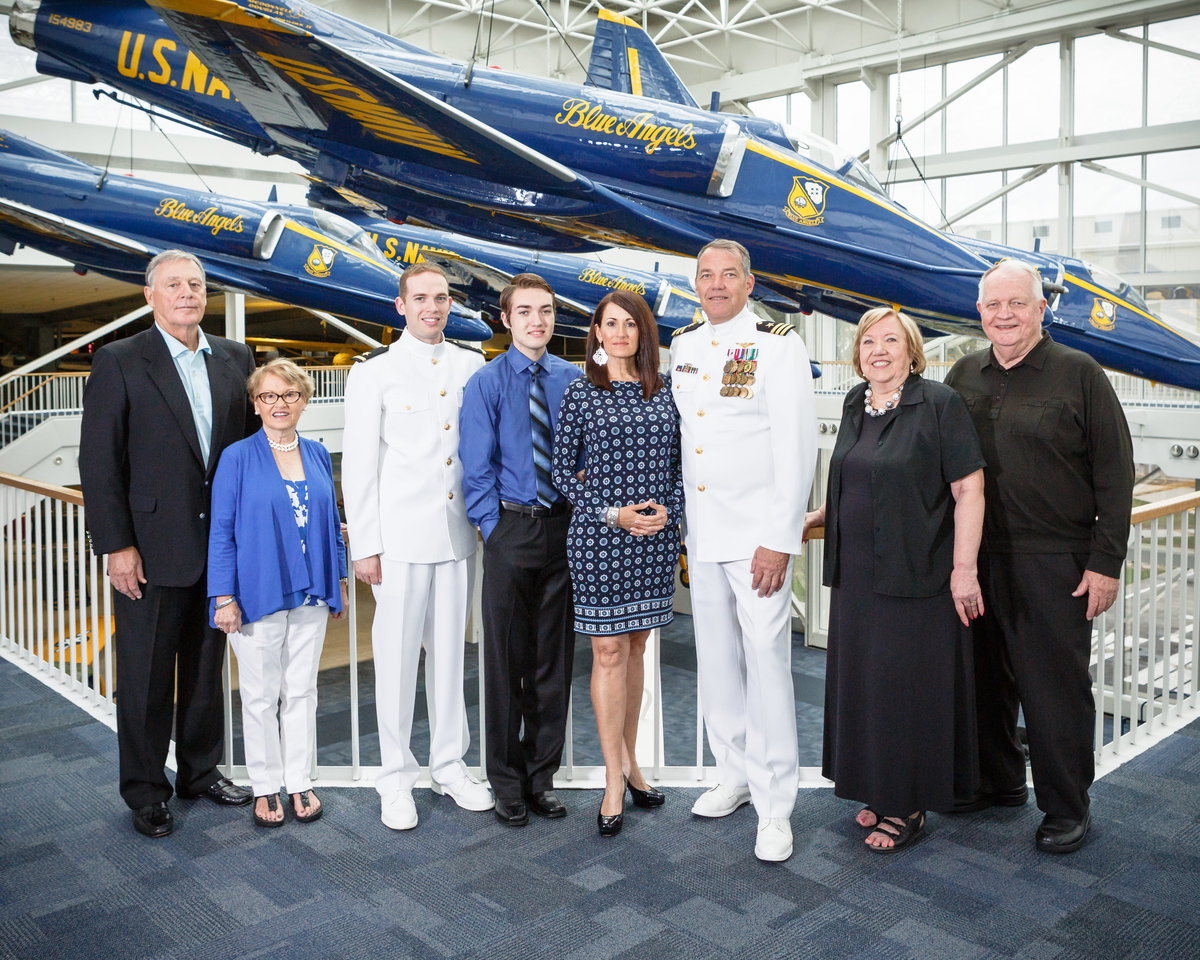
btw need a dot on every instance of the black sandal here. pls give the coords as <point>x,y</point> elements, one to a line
<point>272,806</point>
<point>310,813</point>
<point>903,834</point>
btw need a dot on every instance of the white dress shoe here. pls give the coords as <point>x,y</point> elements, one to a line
<point>721,801</point>
<point>774,841</point>
<point>398,811</point>
<point>468,793</point>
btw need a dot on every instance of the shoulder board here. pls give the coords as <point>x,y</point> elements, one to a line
<point>371,354</point>
<point>466,346</point>
<point>769,326</point>
<point>688,329</point>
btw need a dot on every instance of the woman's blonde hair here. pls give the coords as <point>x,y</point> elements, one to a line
<point>912,333</point>
<point>285,370</point>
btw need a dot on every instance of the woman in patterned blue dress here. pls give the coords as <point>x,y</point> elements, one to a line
<point>276,573</point>
<point>619,424</point>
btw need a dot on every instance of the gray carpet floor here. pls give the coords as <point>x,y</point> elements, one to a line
<point>77,882</point>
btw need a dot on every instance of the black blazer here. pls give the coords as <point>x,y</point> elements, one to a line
<point>928,443</point>
<point>144,481</point>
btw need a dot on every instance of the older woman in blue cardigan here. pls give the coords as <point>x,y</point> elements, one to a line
<point>276,573</point>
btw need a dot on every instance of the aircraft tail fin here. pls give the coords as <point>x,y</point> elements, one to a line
<point>14,145</point>
<point>625,59</point>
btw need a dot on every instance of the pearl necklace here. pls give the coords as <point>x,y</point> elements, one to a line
<point>891,402</point>
<point>284,447</point>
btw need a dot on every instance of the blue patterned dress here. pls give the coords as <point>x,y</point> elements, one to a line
<point>629,449</point>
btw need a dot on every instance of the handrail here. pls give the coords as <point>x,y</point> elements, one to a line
<point>51,490</point>
<point>1163,508</point>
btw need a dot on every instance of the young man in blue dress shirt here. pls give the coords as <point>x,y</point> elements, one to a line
<point>509,413</point>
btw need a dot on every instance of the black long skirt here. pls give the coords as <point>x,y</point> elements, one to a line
<point>899,684</point>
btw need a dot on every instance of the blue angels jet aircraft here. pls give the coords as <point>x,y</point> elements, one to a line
<point>313,258</point>
<point>554,165</point>
<point>115,225</point>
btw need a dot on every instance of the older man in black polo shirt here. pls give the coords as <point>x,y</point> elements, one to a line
<point>1059,488</point>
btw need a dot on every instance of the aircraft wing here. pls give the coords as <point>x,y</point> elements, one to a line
<point>58,228</point>
<point>305,89</point>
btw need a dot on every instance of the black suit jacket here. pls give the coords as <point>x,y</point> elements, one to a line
<point>144,481</point>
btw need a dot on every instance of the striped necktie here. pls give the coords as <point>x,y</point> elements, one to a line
<point>539,421</point>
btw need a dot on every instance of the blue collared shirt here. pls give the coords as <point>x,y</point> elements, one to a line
<point>194,373</point>
<point>495,440</point>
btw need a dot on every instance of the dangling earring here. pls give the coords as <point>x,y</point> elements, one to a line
<point>600,357</point>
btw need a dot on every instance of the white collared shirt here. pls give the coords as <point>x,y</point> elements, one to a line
<point>193,371</point>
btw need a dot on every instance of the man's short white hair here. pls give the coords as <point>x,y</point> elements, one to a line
<point>166,257</point>
<point>1020,266</point>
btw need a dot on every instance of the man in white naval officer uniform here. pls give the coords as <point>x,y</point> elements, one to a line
<point>748,426</point>
<point>410,539</point>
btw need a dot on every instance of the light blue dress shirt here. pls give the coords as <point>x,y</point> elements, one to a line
<point>193,371</point>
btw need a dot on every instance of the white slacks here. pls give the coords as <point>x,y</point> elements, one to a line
<point>421,605</point>
<point>278,657</point>
<point>744,672</point>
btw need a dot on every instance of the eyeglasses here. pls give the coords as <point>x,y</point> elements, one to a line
<point>290,397</point>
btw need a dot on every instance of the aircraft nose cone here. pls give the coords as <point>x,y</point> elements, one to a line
<point>467,328</point>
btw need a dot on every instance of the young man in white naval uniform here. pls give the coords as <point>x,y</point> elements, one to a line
<point>410,539</point>
<point>743,388</point>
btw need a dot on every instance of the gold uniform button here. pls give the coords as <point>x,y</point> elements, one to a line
<point>408,406</point>
<point>434,362</point>
<point>449,460</point>
<point>699,449</point>
<point>716,343</point>
<point>701,488</point>
<point>445,426</point>
<point>706,376</point>
<point>450,495</point>
<point>699,413</point>
<point>442,393</point>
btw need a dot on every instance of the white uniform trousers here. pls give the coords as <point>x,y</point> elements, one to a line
<point>744,672</point>
<point>421,605</point>
<point>278,657</point>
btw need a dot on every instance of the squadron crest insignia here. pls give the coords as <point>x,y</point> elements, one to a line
<point>320,261</point>
<point>1104,314</point>
<point>806,202</point>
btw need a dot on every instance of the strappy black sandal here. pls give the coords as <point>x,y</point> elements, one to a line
<point>273,806</point>
<point>904,834</point>
<point>310,813</point>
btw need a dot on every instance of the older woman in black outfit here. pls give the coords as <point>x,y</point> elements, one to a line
<point>903,517</point>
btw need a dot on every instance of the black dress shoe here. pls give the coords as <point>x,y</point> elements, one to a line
<point>511,813</point>
<point>1016,797</point>
<point>545,804</point>
<point>646,799</point>
<point>610,826</point>
<point>225,792</point>
<point>153,820</point>
<point>1062,834</point>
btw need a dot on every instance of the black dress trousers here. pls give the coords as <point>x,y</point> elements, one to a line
<point>528,649</point>
<point>166,649</point>
<point>1032,649</point>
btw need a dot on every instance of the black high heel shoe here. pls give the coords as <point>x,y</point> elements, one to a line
<point>646,799</point>
<point>609,826</point>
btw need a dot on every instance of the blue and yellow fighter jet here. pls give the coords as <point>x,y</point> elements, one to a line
<point>548,164</point>
<point>314,258</point>
<point>115,225</point>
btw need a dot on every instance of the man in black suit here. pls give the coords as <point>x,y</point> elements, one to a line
<point>158,409</point>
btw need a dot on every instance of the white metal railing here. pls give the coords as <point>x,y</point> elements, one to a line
<point>50,394</point>
<point>56,621</point>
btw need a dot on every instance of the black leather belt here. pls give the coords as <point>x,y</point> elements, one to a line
<point>536,510</point>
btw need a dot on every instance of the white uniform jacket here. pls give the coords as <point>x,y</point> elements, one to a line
<point>401,476</point>
<point>748,455</point>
